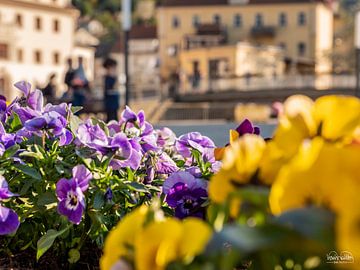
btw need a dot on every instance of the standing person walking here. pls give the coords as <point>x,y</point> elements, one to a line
<point>80,84</point>
<point>69,76</point>
<point>111,94</point>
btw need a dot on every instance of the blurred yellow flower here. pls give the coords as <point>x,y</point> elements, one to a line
<point>122,237</point>
<point>219,152</point>
<point>334,118</point>
<point>241,159</point>
<point>322,173</point>
<point>240,163</point>
<point>154,245</point>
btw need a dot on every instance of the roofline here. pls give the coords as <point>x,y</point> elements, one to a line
<point>243,5</point>
<point>39,6</point>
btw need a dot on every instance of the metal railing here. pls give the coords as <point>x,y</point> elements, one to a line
<point>319,82</point>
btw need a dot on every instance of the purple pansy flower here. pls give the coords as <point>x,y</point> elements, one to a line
<point>34,99</point>
<point>93,137</point>
<point>133,161</point>
<point>193,140</point>
<point>165,137</point>
<point>185,194</point>
<point>52,121</point>
<point>108,194</point>
<point>165,165</point>
<point>9,220</point>
<point>246,127</point>
<point>70,194</point>
<point>136,126</point>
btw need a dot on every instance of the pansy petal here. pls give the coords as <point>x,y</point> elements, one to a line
<point>128,115</point>
<point>36,100</point>
<point>24,87</point>
<point>62,188</point>
<point>9,221</point>
<point>82,176</point>
<point>65,138</point>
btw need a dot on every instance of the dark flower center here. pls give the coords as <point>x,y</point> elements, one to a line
<point>73,200</point>
<point>188,204</point>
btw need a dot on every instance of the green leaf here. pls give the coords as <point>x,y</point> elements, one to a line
<point>11,151</point>
<point>15,122</point>
<point>98,200</point>
<point>46,198</point>
<point>75,109</point>
<point>29,171</point>
<point>47,240</point>
<point>74,255</point>
<point>311,222</point>
<point>74,123</point>
<point>138,187</point>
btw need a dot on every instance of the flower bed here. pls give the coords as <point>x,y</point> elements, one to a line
<point>154,201</point>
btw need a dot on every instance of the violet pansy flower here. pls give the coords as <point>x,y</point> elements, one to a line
<point>246,127</point>
<point>70,194</point>
<point>9,220</point>
<point>165,137</point>
<point>193,140</point>
<point>185,194</point>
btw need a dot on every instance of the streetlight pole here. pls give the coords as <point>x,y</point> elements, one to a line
<point>357,53</point>
<point>126,25</point>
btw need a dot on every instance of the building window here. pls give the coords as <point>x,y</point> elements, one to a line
<point>301,48</point>
<point>20,55</point>
<point>175,22</point>
<point>18,20</point>
<point>302,18</point>
<point>56,58</point>
<point>282,20</point>
<point>217,19</point>
<point>237,21</point>
<point>196,20</point>
<point>38,23</point>
<point>56,25</point>
<point>37,57</point>
<point>259,20</point>
<point>3,51</point>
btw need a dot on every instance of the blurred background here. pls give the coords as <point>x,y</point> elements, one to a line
<point>191,63</point>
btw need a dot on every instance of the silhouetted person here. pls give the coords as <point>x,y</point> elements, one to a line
<point>111,100</point>
<point>174,84</point>
<point>69,75</point>
<point>50,89</point>
<point>80,84</point>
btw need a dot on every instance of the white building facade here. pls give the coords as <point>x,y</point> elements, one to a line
<point>36,39</point>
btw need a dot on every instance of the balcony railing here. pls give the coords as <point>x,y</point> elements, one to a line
<point>263,31</point>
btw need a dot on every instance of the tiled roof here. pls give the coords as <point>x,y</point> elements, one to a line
<point>136,32</point>
<point>175,3</point>
<point>143,32</point>
<point>193,2</point>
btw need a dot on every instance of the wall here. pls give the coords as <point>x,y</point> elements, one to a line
<point>290,35</point>
<point>28,39</point>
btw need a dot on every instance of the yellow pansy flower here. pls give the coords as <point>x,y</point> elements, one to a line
<point>321,174</point>
<point>334,118</point>
<point>337,116</point>
<point>241,159</point>
<point>155,244</point>
<point>240,162</point>
<point>122,236</point>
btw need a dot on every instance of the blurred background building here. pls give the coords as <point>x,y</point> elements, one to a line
<point>36,38</point>
<point>185,55</point>
<point>303,29</point>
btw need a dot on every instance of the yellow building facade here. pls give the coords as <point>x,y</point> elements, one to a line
<point>302,28</point>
